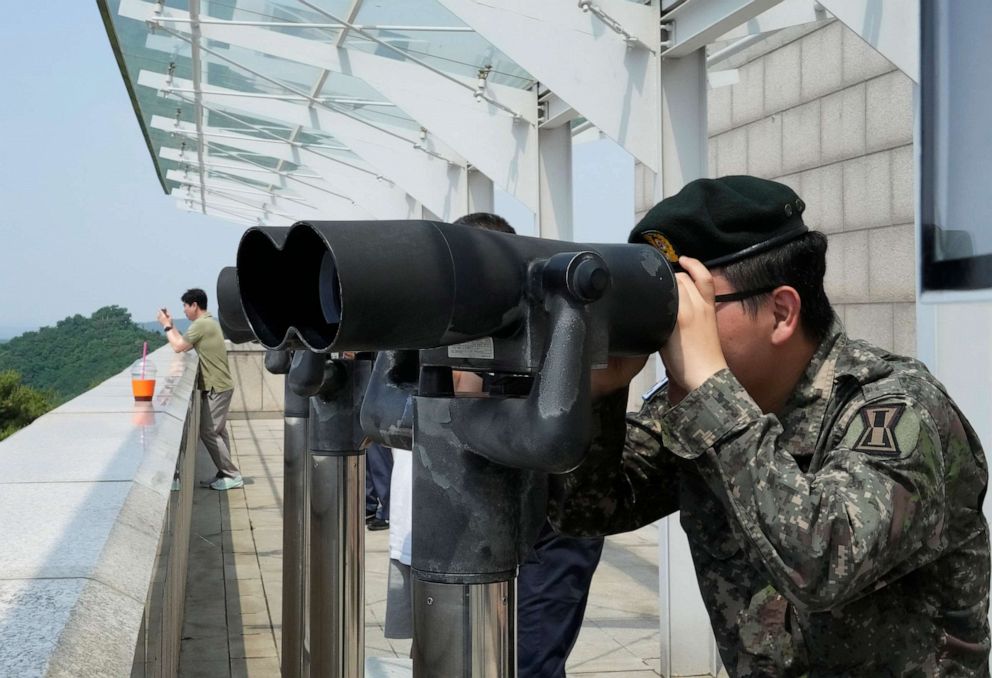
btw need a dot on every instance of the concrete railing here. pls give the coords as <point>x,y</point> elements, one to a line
<point>95,501</point>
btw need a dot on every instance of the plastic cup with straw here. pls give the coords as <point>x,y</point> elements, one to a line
<point>143,377</point>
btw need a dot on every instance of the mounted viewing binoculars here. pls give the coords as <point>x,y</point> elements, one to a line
<point>531,315</point>
<point>386,285</point>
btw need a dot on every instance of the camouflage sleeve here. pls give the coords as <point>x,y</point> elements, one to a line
<point>824,537</point>
<point>626,481</point>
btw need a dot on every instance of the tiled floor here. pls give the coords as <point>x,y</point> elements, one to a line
<point>234,600</point>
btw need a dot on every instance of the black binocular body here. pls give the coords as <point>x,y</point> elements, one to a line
<point>479,297</point>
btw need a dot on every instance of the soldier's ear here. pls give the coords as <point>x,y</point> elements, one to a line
<point>785,306</point>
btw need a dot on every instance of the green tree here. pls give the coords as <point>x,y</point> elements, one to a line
<point>19,404</point>
<point>77,352</point>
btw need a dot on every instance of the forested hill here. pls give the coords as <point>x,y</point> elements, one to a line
<point>78,352</point>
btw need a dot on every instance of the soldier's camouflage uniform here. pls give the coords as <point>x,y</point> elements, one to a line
<point>842,537</point>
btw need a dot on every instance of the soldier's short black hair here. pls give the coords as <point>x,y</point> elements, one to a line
<point>801,264</point>
<point>196,296</point>
<point>486,220</point>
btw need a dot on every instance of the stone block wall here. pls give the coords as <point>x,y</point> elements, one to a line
<point>820,110</point>
<point>257,393</point>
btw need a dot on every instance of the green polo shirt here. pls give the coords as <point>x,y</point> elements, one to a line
<point>208,340</point>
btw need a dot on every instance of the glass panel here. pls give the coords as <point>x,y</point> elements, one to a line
<point>961,137</point>
<point>422,29</point>
<point>956,214</point>
<point>462,53</point>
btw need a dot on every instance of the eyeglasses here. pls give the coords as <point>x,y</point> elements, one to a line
<point>747,294</point>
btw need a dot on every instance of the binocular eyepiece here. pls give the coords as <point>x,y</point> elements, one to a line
<point>386,285</point>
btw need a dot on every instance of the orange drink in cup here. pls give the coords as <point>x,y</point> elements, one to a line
<point>143,389</point>
<point>143,377</point>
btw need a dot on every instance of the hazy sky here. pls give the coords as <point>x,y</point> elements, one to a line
<point>85,222</point>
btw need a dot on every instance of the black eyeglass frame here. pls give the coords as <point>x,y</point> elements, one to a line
<point>746,294</point>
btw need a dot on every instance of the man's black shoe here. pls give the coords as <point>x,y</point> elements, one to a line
<point>369,515</point>
<point>377,524</point>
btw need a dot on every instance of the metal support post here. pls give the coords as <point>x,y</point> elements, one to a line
<point>478,620</point>
<point>464,603</point>
<point>337,527</point>
<point>297,414</point>
<point>337,624</point>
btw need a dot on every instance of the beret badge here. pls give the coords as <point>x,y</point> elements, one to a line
<point>662,244</point>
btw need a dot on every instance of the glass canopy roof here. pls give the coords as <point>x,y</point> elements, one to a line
<point>418,31</point>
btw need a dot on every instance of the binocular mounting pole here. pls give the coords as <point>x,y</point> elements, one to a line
<point>297,414</point>
<point>479,487</point>
<point>337,527</point>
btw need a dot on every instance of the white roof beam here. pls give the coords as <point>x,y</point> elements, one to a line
<point>441,186</point>
<point>786,14</point>
<point>232,201</point>
<point>322,26</point>
<point>493,126</point>
<point>378,196</point>
<point>697,23</point>
<point>219,192</point>
<point>435,149</point>
<point>246,216</point>
<point>234,185</point>
<point>310,187</point>
<point>623,104</point>
<point>319,205</point>
<point>237,217</point>
<point>892,28</point>
<point>194,13</point>
<point>497,135</point>
<point>356,5</point>
<point>234,163</point>
<point>294,97</point>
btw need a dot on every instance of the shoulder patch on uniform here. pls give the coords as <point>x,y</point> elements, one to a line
<point>879,435</point>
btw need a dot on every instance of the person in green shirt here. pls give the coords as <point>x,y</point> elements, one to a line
<point>213,379</point>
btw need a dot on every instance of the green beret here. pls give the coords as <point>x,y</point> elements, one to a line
<point>719,221</point>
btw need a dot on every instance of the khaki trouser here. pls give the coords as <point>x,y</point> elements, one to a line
<point>213,429</point>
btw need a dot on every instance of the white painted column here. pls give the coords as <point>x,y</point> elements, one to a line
<point>555,172</point>
<point>480,192</point>
<point>683,122</point>
<point>687,644</point>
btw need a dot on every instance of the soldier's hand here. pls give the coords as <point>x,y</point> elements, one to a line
<point>693,354</point>
<point>616,375</point>
<point>466,382</point>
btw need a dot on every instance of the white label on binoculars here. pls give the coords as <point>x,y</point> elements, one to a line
<point>477,348</point>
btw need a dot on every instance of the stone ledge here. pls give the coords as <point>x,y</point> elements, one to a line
<point>85,492</point>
